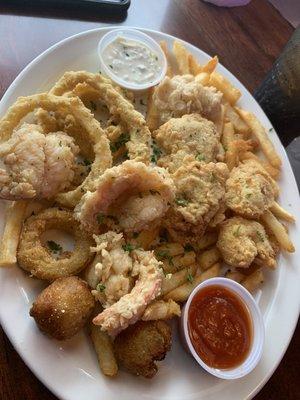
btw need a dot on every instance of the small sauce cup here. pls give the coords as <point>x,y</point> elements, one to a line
<point>258,330</point>
<point>135,35</point>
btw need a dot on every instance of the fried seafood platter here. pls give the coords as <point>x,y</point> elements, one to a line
<point>159,193</point>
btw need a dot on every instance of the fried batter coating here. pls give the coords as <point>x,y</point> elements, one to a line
<point>186,139</point>
<point>90,130</point>
<point>200,194</point>
<point>35,258</point>
<point>242,241</point>
<point>139,346</point>
<point>131,197</point>
<point>36,166</point>
<point>250,190</point>
<point>130,307</point>
<point>62,309</point>
<point>183,94</point>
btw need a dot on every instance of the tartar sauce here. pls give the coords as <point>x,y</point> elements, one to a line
<point>131,60</point>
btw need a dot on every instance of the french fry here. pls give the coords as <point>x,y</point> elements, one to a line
<point>235,276</point>
<point>260,133</point>
<point>234,149</point>
<point>278,230</point>
<point>177,279</point>
<point>173,264</point>
<point>152,117</point>
<point>281,213</point>
<point>181,293</point>
<point>207,240</point>
<point>240,127</point>
<point>219,123</point>
<point>194,67</point>
<point>145,238</point>
<point>272,171</point>
<point>15,216</point>
<point>104,349</point>
<point>230,93</point>
<point>227,140</point>
<point>172,249</point>
<point>164,47</point>
<point>211,65</point>
<point>208,258</point>
<point>253,281</point>
<point>161,309</point>
<point>182,57</point>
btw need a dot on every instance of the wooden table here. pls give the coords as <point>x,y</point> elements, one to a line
<point>247,39</point>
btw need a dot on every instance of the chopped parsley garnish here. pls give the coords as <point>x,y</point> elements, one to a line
<point>213,177</point>
<point>60,143</point>
<point>100,287</point>
<point>93,105</point>
<point>190,278</point>
<point>248,195</point>
<point>165,254</point>
<point>156,153</point>
<point>181,202</point>
<point>135,235</point>
<point>110,66</point>
<point>188,247</point>
<point>142,102</point>
<point>271,129</point>
<point>225,147</point>
<point>260,236</point>
<point>128,247</point>
<point>86,162</point>
<point>237,231</point>
<point>200,157</point>
<point>100,218</point>
<point>53,246</point>
<point>123,138</point>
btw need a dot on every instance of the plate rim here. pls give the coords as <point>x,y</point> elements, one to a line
<point>22,74</point>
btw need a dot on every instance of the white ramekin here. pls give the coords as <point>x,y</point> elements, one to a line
<point>258,333</point>
<point>133,34</point>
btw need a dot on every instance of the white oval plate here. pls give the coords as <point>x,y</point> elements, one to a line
<point>69,369</point>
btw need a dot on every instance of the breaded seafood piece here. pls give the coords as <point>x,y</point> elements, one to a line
<point>189,138</point>
<point>111,268</point>
<point>183,94</point>
<point>250,190</point>
<point>139,346</point>
<point>242,241</point>
<point>62,309</point>
<point>200,195</point>
<point>130,307</point>
<point>36,165</point>
<point>130,197</point>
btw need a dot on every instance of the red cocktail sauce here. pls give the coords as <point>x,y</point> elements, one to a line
<point>220,327</point>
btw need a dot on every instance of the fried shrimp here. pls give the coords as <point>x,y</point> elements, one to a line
<point>82,83</point>
<point>35,258</point>
<point>130,307</point>
<point>90,130</point>
<point>250,190</point>
<point>200,195</point>
<point>186,139</point>
<point>131,196</point>
<point>111,269</point>
<point>242,241</point>
<point>62,309</point>
<point>183,94</point>
<point>139,346</point>
<point>36,166</point>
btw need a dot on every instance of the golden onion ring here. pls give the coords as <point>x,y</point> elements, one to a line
<point>90,126</point>
<point>35,258</point>
<point>82,83</point>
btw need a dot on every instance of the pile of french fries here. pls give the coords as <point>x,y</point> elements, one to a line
<point>242,136</point>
